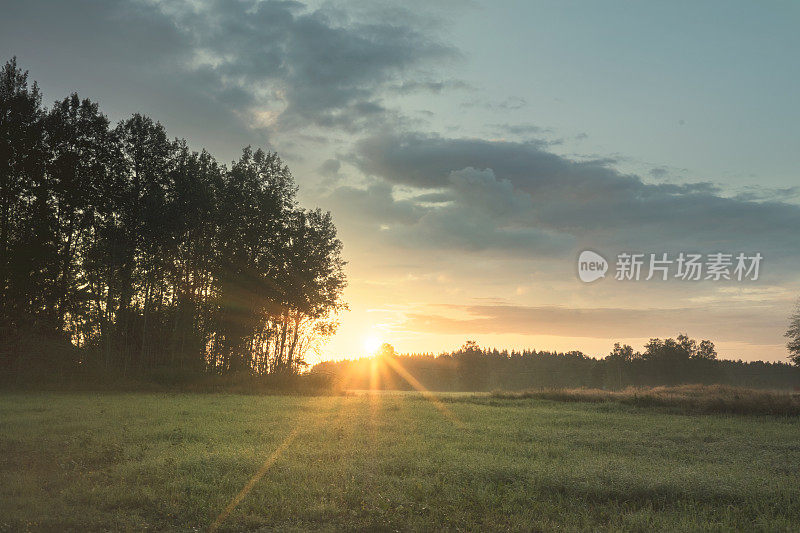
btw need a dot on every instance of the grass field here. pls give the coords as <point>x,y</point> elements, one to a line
<point>391,461</point>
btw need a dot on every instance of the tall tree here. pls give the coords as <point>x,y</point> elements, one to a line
<point>193,276</point>
<point>144,230</point>
<point>145,255</point>
<point>80,149</point>
<point>793,334</point>
<point>26,248</point>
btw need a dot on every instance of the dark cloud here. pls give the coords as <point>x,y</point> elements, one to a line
<point>373,203</point>
<point>330,168</point>
<point>96,38</point>
<point>477,213</point>
<point>322,67</point>
<point>587,201</point>
<point>746,324</point>
<point>659,172</point>
<point>273,63</point>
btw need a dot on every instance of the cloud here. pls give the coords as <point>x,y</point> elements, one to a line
<point>322,67</point>
<point>374,205</point>
<point>477,213</point>
<point>520,129</point>
<point>275,64</point>
<point>512,103</point>
<point>330,168</point>
<point>435,87</point>
<point>433,198</point>
<point>588,201</point>
<point>738,324</point>
<point>759,193</point>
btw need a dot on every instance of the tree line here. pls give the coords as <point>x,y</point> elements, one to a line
<point>122,249</point>
<point>471,368</point>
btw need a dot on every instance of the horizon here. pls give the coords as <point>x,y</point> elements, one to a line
<point>469,152</point>
<point>456,349</point>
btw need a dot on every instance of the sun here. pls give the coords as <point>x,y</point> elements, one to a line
<point>371,344</point>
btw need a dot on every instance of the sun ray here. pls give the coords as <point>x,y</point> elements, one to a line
<point>374,374</point>
<point>253,480</point>
<point>430,396</point>
<point>274,456</point>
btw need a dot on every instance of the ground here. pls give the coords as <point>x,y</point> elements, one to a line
<point>392,461</point>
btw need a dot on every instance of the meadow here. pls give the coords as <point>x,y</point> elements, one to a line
<point>389,462</point>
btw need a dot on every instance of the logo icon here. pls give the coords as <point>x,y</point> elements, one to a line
<point>591,266</point>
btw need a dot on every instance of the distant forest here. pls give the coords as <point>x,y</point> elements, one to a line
<point>471,368</point>
<point>124,251</point>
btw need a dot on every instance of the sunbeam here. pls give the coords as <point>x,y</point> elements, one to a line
<point>253,480</point>
<point>419,387</point>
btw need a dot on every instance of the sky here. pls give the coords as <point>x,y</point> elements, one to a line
<point>470,151</point>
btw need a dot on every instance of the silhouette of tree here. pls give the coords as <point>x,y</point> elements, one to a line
<point>666,362</point>
<point>27,252</point>
<point>472,366</point>
<point>78,165</point>
<point>144,255</point>
<point>705,351</point>
<point>793,334</point>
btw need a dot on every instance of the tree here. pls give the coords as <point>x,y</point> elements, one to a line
<point>146,255</point>
<point>705,351</point>
<point>79,162</point>
<point>680,349</point>
<point>618,359</point>
<point>192,275</point>
<point>680,360</point>
<point>623,353</point>
<point>27,249</point>
<point>793,334</point>
<point>472,366</point>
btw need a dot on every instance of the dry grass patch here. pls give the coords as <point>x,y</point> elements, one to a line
<point>689,398</point>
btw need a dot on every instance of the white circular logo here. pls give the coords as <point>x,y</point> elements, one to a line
<point>591,266</point>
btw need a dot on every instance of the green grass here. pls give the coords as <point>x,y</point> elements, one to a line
<point>389,462</point>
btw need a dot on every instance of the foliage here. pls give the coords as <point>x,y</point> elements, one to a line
<point>144,254</point>
<point>793,334</point>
